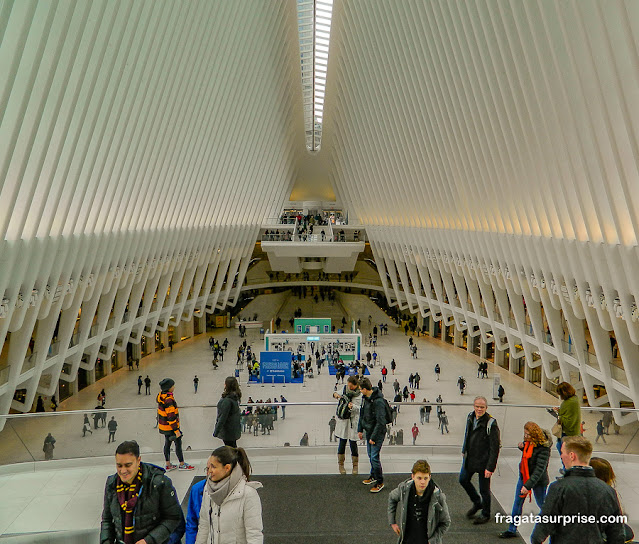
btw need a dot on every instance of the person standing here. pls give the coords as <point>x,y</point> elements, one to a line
<point>140,383</point>
<point>283,400</point>
<point>140,502</point>
<point>417,508</point>
<point>332,423</point>
<point>39,404</point>
<point>147,385</point>
<point>102,397</point>
<point>533,472</point>
<point>346,428</point>
<point>384,373</point>
<point>416,380</point>
<point>227,424</point>
<point>86,426</point>
<point>480,452</point>
<point>501,392</point>
<point>232,498</point>
<point>582,499</point>
<point>47,447</point>
<point>393,366</point>
<point>113,426</point>
<point>196,382</point>
<point>169,424</point>
<point>427,410</point>
<point>437,372</point>
<point>372,425</point>
<point>415,431</point>
<point>568,413</point>
<point>54,403</point>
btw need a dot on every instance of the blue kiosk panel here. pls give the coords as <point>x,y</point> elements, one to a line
<point>276,366</point>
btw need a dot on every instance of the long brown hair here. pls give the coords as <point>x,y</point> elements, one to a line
<point>231,385</point>
<point>227,455</point>
<point>603,470</point>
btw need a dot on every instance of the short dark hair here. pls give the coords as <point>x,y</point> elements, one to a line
<point>353,379</point>
<point>365,383</point>
<point>128,447</point>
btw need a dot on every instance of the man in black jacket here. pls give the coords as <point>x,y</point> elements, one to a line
<point>372,422</point>
<point>480,453</point>
<point>577,504</point>
<point>140,502</point>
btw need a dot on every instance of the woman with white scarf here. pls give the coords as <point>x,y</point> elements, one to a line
<point>231,511</point>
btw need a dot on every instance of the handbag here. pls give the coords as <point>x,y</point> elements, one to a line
<point>557,429</point>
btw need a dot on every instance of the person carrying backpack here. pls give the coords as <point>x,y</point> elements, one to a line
<point>348,410</point>
<point>375,414</point>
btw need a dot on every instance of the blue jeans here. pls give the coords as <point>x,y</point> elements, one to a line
<point>518,505</point>
<point>373,451</point>
<point>482,501</point>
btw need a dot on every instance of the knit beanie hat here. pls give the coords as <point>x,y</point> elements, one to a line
<point>166,384</point>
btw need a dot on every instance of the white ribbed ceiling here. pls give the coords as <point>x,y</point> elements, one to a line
<point>129,116</point>
<point>511,116</point>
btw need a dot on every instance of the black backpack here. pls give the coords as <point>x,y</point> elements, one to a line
<point>343,411</point>
<point>389,412</point>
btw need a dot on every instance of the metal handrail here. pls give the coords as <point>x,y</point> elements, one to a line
<point>316,403</point>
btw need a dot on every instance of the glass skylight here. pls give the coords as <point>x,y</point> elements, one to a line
<point>314,27</point>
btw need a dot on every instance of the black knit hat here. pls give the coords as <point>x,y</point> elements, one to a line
<point>166,384</point>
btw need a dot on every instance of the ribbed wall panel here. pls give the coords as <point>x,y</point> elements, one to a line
<point>490,148</point>
<point>142,145</point>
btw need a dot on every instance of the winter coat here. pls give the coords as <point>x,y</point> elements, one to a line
<point>347,428</point>
<point>581,493</point>
<point>372,417</point>
<point>538,464</point>
<point>157,514</point>
<point>238,520</point>
<point>193,511</point>
<point>227,424</point>
<point>480,447</point>
<point>570,416</point>
<point>438,516</point>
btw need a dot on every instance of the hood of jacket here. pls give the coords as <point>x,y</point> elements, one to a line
<point>548,442</point>
<point>163,396</point>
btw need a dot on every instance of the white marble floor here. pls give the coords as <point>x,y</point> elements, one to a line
<point>67,494</point>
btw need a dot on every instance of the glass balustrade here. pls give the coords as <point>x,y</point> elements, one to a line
<point>23,436</point>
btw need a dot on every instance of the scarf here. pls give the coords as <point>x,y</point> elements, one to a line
<point>128,495</point>
<point>218,491</point>
<point>523,465</point>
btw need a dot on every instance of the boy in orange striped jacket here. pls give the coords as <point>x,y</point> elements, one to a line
<point>169,424</point>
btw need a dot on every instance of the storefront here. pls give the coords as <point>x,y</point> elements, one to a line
<point>99,369</point>
<point>449,334</point>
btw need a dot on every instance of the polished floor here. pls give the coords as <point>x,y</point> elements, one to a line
<point>67,493</point>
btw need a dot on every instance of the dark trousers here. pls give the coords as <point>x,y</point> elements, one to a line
<point>178,448</point>
<point>111,436</point>
<point>341,447</point>
<point>232,443</point>
<point>374,451</point>
<point>465,477</point>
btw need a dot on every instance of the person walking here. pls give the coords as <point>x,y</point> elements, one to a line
<point>86,426</point>
<point>533,472</point>
<point>140,383</point>
<point>393,366</point>
<point>416,380</point>
<point>417,508</point>
<point>196,382</point>
<point>443,421</point>
<point>147,385</point>
<point>600,431</point>
<point>437,372</point>
<point>384,373</point>
<point>480,452</point>
<point>48,446</point>
<point>332,423</point>
<point>113,426</point>
<point>501,392</point>
<point>232,498</point>
<point>140,502</point>
<point>169,424</point>
<point>227,424</point>
<point>54,403</point>
<point>283,400</point>
<point>372,425</point>
<point>346,425</point>
<point>415,431</point>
